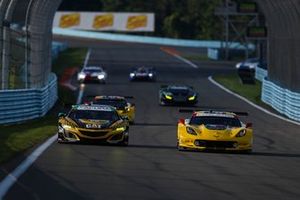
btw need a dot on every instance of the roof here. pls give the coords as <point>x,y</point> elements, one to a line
<point>178,87</point>
<point>93,68</point>
<point>94,107</point>
<point>214,114</point>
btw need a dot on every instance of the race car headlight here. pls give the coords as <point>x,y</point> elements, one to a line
<point>192,98</point>
<point>81,76</point>
<point>241,133</point>
<point>131,75</point>
<point>65,126</point>
<point>150,75</point>
<point>168,96</point>
<point>101,76</point>
<point>120,129</point>
<point>191,131</point>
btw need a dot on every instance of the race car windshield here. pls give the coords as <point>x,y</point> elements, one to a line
<point>92,70</point>
<point>94,115</point>
<point>117,103</point>
<point>225,121</point>
<point>142,70</point>
<point>179,91</point>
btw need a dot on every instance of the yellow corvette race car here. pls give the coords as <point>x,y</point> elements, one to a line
<point>214,130</point>
<point>86,123</point>
<point>123,107</point>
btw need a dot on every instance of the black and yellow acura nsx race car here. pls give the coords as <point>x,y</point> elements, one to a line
<point>214,130</point>
<point>87,123</point>
<point>123,107</point>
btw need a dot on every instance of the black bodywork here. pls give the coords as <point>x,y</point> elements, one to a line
<point>177,95</point>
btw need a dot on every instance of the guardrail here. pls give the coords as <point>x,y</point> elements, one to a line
<point>57,47</point>
<point>145,39</point>
<point>260,74</point>
<point>283,100</point>
<point>25,104</point>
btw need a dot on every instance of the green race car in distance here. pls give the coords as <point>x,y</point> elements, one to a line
<point>177,95</point>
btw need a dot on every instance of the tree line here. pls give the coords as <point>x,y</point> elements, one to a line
<point>189,19</point>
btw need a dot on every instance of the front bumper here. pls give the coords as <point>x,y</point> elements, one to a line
<point>178,102</point>
<point>142,78</point>
<point>85,135</point>
<point>227,145</point>
<point>92,79</point>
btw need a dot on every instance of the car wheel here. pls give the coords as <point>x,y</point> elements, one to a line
<point>125,140</point>
<point>179,148</point>
<point>161,103</point>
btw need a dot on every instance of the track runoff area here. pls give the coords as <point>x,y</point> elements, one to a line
<point>151,167</point>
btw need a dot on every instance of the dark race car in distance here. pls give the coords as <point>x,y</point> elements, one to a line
<point>177,95</point>
<point>92,74</point>
<point>143,74</point>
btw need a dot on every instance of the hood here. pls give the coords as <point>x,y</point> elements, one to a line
<point>93,124</point>
<point>220,131</point>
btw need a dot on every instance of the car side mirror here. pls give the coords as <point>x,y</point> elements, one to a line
<point>181,121</point>
<point>61,115</point>
<point>249,125</point>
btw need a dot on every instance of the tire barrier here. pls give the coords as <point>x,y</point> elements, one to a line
<point>25,104</point>
<point>283,100</point>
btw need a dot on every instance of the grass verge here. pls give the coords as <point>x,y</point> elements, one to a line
<point>249,91</point>
<point>15,139</point>
<point>200,57</point>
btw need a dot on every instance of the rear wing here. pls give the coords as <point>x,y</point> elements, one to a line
<point>213,111</point>
<point>93,96</point>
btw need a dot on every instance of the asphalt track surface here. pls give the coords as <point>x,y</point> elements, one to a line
<point>151,167</point>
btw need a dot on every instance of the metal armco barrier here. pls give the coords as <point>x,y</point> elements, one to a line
<point>283,100</point>
<point>260,74</point>
<point>143,39</point>
<point>21,105</point>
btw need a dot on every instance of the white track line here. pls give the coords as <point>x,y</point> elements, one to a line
<point>80,95</point>
<point>251,103</point>
<point>87,57</point>
<point>82,86</point>
<point>13,177</point>
<point>186,61</point>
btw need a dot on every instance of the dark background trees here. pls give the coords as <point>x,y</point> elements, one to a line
<point>190,19</point>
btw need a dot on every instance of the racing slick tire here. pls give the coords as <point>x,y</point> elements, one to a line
<point>179,148</point>
<point>125,140</point>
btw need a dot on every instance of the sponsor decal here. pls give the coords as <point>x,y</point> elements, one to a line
<point>137,21</point>
<point>93,126</point>
<point>69,20</point>
<point>102,21</point>
<point>95,108</point>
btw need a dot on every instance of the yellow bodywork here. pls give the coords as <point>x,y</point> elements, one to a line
<point>204,138</point>
<point>128,112</point>
<point>72,132</point>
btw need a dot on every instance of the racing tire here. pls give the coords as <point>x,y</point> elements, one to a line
<point>179,148</point>
<point>161,103</point>
<point>125,140</point>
